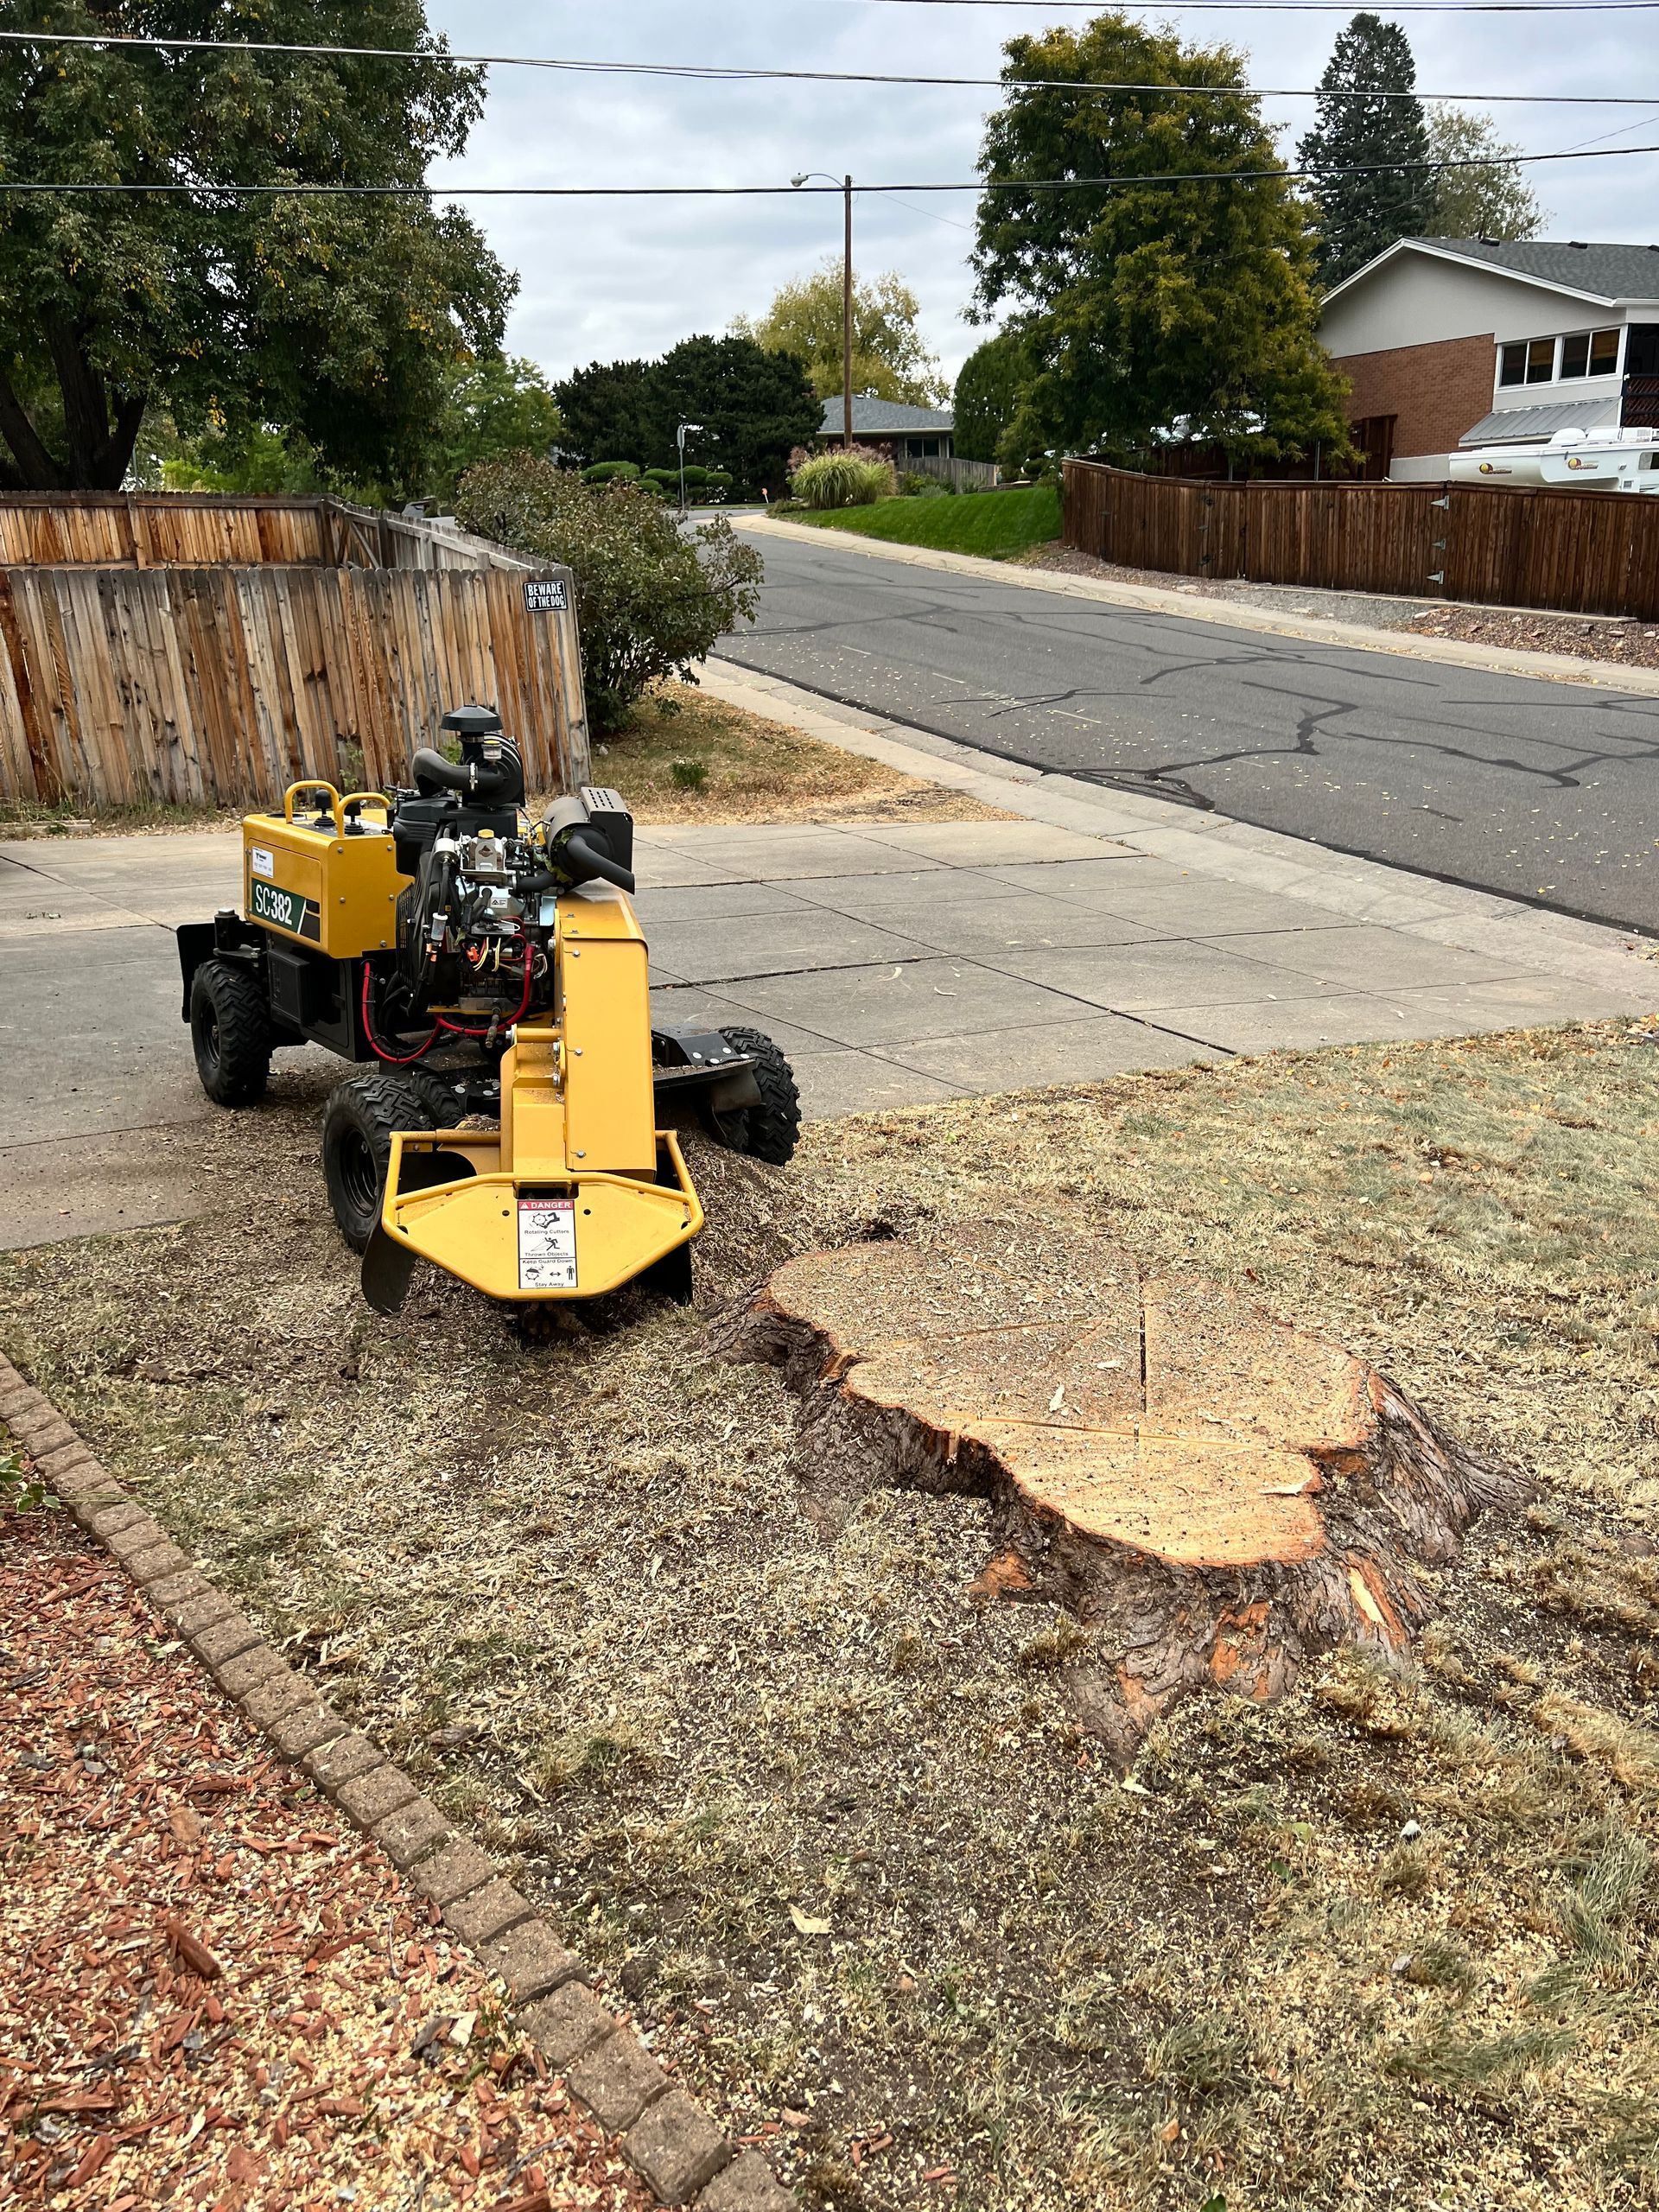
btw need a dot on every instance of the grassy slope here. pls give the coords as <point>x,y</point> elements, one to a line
<point>997,526</point>
<point>576,1587</point>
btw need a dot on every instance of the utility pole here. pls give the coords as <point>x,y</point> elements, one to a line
<point>680,437</point>
<point>846,185</point>
<point>847,326</point>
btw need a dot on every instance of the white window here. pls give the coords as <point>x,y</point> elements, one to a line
<point>1544,360</point>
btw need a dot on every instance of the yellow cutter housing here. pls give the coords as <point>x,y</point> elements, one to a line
<point>563,1201</point>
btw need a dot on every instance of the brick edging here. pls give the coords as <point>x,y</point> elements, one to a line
<point>666,2136</point>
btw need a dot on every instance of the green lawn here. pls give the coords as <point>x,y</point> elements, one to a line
<point>995,525</point>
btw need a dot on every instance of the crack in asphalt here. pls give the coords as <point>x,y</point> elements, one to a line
<point>1431,766</point>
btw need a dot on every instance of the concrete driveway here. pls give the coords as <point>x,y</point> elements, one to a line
<point>896,963</point>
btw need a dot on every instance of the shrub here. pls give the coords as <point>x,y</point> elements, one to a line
<point>843,479</point>
<point>688,775</point>
<point>611,472</point>
<point>651,599</point>
<point>917,486</point>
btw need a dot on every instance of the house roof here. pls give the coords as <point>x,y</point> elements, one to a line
<point>1504,424</point>
<point>879,416</point>
<point>1608,272</point>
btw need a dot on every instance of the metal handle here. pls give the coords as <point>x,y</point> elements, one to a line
<point>315,783</point>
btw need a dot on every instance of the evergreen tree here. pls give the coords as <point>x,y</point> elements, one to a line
<point>1384,137</point>
<point>754,407</point>
<point>609,412</point>
<point>1150,308</point>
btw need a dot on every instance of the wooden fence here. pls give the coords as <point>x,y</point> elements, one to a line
<point>211,652</point>
<point>951,468</point>
<point>1577,552</point>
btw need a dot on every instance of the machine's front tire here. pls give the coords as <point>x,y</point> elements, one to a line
<point>770,1130</point>
<point>230,1033</point>
<point>362,1116</point>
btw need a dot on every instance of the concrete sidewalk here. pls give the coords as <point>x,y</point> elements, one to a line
<point>897,964</point>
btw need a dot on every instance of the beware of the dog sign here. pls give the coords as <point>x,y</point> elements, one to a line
<point>547,596</point>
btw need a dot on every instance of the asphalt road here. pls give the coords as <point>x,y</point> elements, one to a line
<point>1515,784</point>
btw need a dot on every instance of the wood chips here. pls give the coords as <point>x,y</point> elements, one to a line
<point>218,1994</point>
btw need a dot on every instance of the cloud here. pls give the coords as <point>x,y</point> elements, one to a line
<point>602,279</point>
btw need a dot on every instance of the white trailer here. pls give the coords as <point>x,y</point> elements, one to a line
<point>1584,461</point>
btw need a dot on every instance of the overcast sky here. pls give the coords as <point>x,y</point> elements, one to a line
<point>606,279</point>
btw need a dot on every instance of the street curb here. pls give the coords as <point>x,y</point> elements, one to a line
<point>1238,614</point>
<point>1216,844</point>
<point>668,2139</point>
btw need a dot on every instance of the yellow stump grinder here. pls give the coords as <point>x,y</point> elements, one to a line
<point>516,1120</point>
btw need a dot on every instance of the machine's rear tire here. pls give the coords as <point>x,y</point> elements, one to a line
<point>770,1130</point>
<point>230,1033</point>
<point>362,1114</point>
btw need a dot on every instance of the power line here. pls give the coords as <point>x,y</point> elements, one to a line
<point>706,73</point>
<point>208,188</point>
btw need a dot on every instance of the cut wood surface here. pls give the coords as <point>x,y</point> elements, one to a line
<point>1219,1495</point>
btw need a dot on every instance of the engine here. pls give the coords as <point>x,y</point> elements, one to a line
<point>476,920</point>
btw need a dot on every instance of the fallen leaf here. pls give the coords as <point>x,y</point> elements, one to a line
<point>805,1923</point>
<point>1057,1400</point>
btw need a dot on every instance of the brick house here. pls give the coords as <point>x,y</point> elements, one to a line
<point>901,432</point>
<point>1449,342</point>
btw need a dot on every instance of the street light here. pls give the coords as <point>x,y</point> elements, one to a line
<point>680,437</point>
<point>846,184</point>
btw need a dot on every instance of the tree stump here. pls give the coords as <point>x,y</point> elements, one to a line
<point>1218,1497</point>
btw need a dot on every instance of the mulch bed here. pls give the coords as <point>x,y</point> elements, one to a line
<point>221,1995</point>
<point>1635,644</point>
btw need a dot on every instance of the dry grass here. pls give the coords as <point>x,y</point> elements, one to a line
<point>573,1584</point>
<point>755,770</point>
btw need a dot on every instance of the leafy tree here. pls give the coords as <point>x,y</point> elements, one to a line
<point>495,405</point>
<point>754,407</point>
<point>890,356</point>
<point>651,599</point>
<point>610,411</point>
<point>335,318</point>
<point>993,383</point>
<point>1491,200</point>
<point>1150,308</point>
<point>489,407</point>
<point>1385,138</point>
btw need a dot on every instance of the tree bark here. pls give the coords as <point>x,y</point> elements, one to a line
<point>99,447</point>
<point>36,468</point>
<point>1219,1498</point>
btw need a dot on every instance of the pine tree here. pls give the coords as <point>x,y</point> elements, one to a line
<point>1382,137</point>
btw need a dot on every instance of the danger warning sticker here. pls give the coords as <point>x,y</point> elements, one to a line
<point>546,1243</point>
